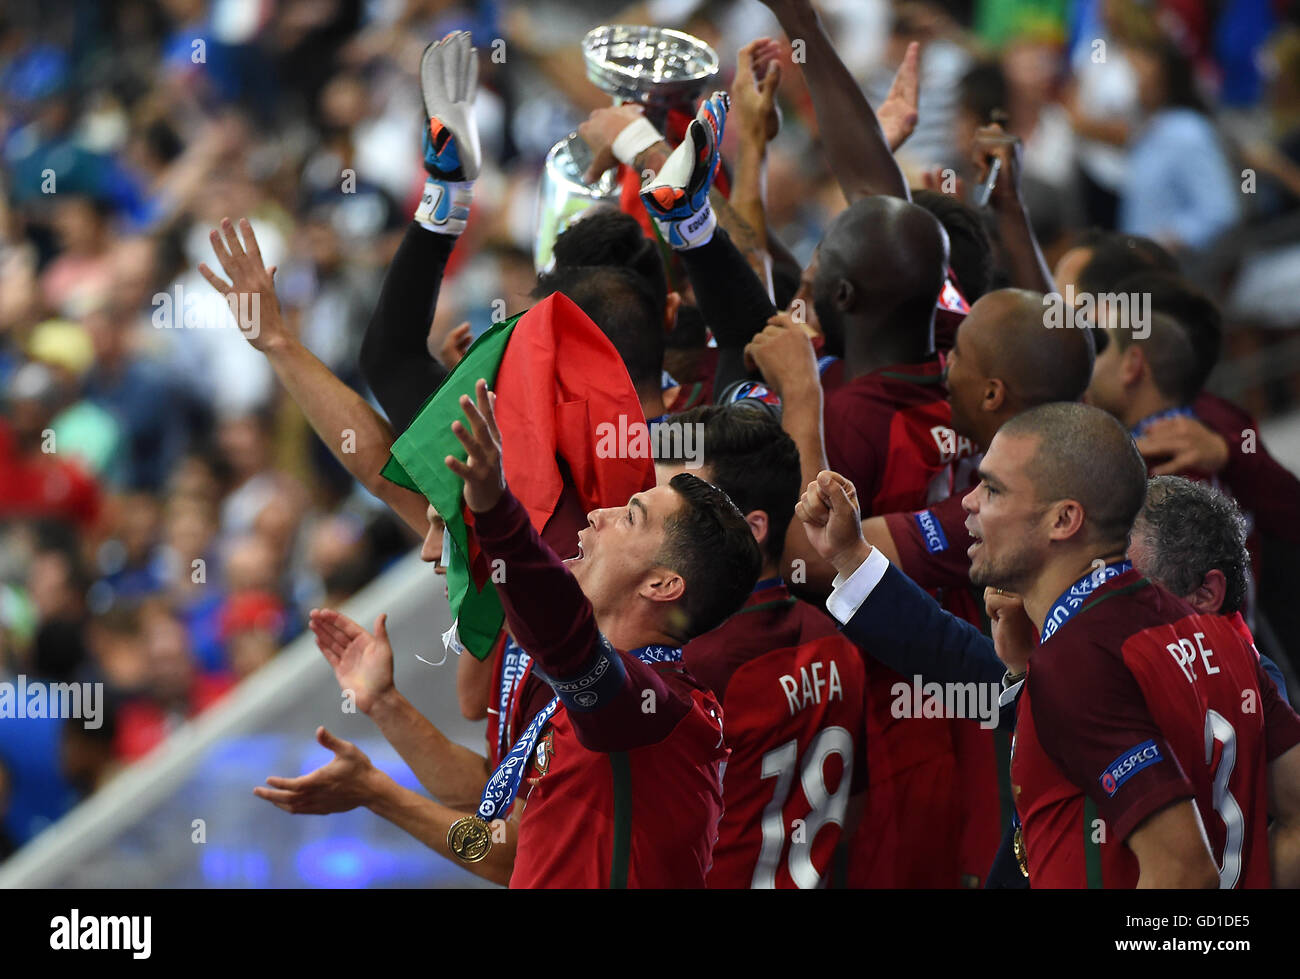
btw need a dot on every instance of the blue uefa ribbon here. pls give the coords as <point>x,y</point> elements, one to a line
<point>1140,428</point>
<point>514,664</point>
<point>503,785</point>
<point>1072,598</point>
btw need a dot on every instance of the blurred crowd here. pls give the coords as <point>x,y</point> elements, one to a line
<point>166,516</point>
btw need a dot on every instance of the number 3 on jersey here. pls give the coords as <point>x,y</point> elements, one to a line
<point>1218,729</point>
<point>824,806</point>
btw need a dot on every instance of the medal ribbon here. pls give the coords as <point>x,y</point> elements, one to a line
<point>503,785</point>
<point>514,667</point>
<point>1072,598</point>
<point>1140,428</point>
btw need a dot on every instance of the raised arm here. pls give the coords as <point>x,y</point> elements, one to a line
<point>881,610</point>
<point>856,148</point>
<point>753,100</point>
<point>1021,255</point>
<point>784,354</point>
<point>357,436</point>
<point>363,665</point>
<point>547,612</point>
<point>395,358</point>
<point>730,295</point>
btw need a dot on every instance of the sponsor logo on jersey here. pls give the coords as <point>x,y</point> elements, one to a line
<point>1129,764</point>
<point>935,541</point>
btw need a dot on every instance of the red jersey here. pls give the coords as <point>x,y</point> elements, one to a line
<point>889,432</point>
<point>646,817</point>
<point>1138,704</point>
<point>1264,487</point>
<point>618,793</point>
<point>931,545</point>
<point>792,693</point>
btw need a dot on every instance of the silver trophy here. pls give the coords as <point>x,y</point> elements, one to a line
<point>656,67</point>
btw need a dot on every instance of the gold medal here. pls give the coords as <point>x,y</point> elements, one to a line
<point>470,839</point>
<point>1017,847</point>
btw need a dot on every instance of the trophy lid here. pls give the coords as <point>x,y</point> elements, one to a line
<point>640,64</point>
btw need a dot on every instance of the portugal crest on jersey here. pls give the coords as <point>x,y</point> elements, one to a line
<point>545,748</point>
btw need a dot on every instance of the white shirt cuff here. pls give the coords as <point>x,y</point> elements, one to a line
<point>848,594</point>
<point>1010,693</point>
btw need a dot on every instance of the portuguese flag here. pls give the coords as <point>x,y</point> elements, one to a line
<point>558,380</point>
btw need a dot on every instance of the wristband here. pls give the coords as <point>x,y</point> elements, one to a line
<point>635,138</point>
<point>692,231</point>
<point>444,205</point>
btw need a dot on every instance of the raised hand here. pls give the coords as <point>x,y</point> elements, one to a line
<point>753,92</point>
<point>340,785</point>
<point>485,479</point>
<point>678,198</point>
<point>898,114</point>
<point>452,155</point>
<point>449,82</point>
<point>249,276</point>
<point>994,143</point>
<point>362,663</point>
<point>833,521</point>
<point>453,347</point>
<point>784,353</point>
<point>600,129</point>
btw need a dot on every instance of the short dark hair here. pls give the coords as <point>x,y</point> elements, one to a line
<point>1170,355</point>
<point>708,542</point>
<point>970,252</point>
<point>608,236</point>
<point>750,458</point>
<point>1117,256</point>
<point>1195,312</point>
<point>1190,530</point>
<point>619,302</point>
<point>1085,454</point>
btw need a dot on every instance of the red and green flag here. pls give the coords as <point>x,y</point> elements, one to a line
<point>558,381</point>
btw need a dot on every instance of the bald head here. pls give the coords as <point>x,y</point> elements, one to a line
<point>883,259</point>
<point>1084,454</point>
<point>1009,340</point>
<point>1005,360</point>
